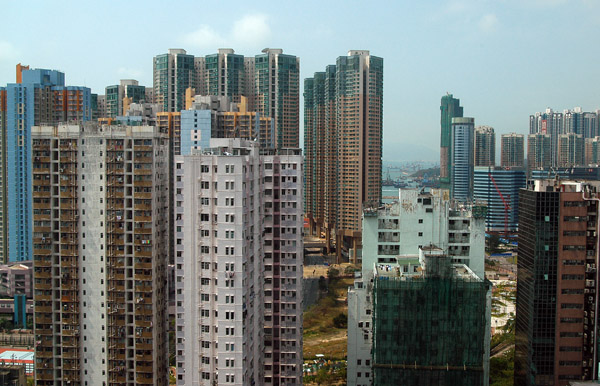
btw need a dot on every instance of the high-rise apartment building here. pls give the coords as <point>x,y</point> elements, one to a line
<point>128,88</point>
<point>392,236</point>
<point>485,146</point>
<point>100,206</point>
<point>3,190</point>
<point>551,123</point>
<point>574,121</point>
<point>571,150</point>
<point>450,108</point>
<point>461,174</point>
<point>592,154</point>
<point>579,122</point>
<point>222,74</point>
<point>270,81</point>
<point>499,188</point>
<point>239,219</point>
<point>174,73</point>
<point>539,151</point>
<point>344,104</point>
<point>320,149</point>
<point>557,283</point>
<point>40,98</point>
<point>512,150</point>
<point>277,94</point>
<point>217,117</point>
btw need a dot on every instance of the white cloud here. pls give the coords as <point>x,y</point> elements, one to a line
<point>488,22</point>
<point>204,37</point>
<point>251,31</point>
<point>7,51</point>
<point>126,73</point>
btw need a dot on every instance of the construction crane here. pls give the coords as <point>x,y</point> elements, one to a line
<point>506,205</point>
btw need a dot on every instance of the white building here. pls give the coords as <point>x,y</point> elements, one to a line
<point>392,234</point>
<point>239,265</point>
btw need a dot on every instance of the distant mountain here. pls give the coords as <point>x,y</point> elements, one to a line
<point>431,172</point>
<point>403,151</point>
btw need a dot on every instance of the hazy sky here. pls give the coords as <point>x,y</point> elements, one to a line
<point>504,59</point>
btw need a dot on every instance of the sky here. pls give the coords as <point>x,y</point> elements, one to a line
<point>504,59</point>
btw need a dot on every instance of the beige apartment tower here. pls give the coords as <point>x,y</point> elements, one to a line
<point>539,151</point>
<point>512,149</point>
<point>100,206</point>
<point>485,146</point>
<point>343,140</point>
<point>571,150</point>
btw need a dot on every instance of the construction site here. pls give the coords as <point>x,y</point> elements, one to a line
<point>446,341</point>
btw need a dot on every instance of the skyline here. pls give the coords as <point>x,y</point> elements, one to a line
<point>503,61</point>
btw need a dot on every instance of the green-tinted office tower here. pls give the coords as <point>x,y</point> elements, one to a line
<point>450,108</point>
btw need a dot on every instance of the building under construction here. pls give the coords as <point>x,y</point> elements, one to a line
<point>447,341</point>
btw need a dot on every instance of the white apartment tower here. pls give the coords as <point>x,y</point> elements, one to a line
<point>100,205</point>
<point>239,265</point>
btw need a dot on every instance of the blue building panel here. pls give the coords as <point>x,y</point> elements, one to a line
<point>20,117</point>
<point>488,181</point>
<point>196,130</point>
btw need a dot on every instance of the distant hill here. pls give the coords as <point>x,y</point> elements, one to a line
<point>431,172</point>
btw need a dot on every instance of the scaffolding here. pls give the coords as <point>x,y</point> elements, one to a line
<point>431,329</point>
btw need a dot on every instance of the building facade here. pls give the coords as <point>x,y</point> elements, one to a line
<point>461,174</point>
<point>270,81</point>
<point>100,205</point>
<point>571,150</point>
<point>222,74</point>
<point>128,88</point>
<point>239,265</point>
<point>277,94</point>
<point>570,121</point>
<point>485,146</point>
<point>512,150</point>
<point>3,189</point>
<point>16,279</point>
<point>499,188</point>
<point>174,72</point>
<point>40,98</point>
<point>347,104</point>
<point>454,310</point>
<point>556,288</point>
<point>539,151</point>
<point>450,108</point>
<point>320,149</point>
<point>217,117</point>
<point>592,155</point>
<point>391,235</point>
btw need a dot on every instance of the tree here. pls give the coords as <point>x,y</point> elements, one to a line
<point>341,320</point>
<point>493,243</point>
<point>333,273</point>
